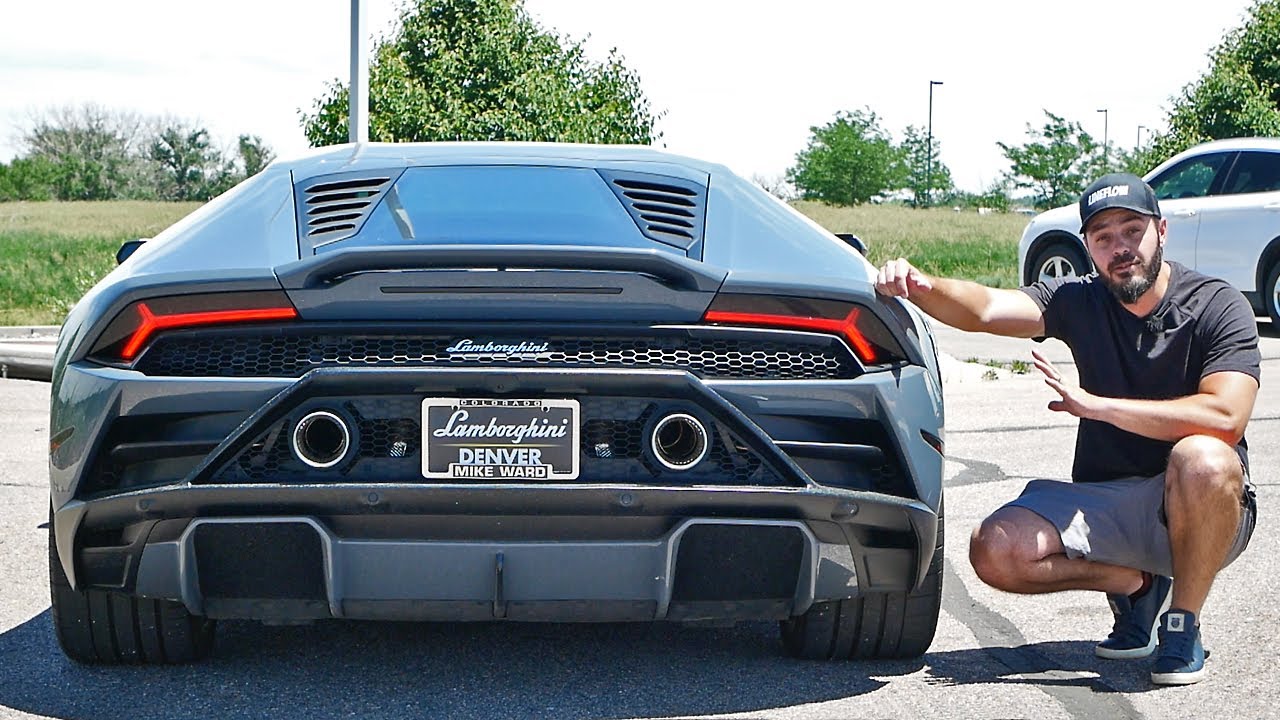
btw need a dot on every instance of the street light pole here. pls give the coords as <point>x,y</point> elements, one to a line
<point>358,92</point>
<point>1138,145</point>
<point>1105,118</point>
<point>928,173</point>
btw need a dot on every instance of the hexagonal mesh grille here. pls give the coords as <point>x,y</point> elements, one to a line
<point>290,354</point>
<point>389,450</point>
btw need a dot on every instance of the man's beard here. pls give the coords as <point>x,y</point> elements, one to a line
<point>1128,291</point>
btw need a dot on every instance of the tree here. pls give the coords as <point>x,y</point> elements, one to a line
<point>1138,161</point>
<point>1239,95</point>
<point>483,70</point>
<point>93,152</point>
<point>847,161</point>
<point>1057,162</point>
<point>254,155</point>
<point>775,185</point>
<point>188,166</point>
<point>926,180</point>
<point>27,179</point>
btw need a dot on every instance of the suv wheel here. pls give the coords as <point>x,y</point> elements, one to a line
<point>1058,259</point>
<point>96,626</point>
<point>873,626</point>
<point>1271,295</point>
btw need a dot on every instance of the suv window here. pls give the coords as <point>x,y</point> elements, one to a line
<point>1254,172</point>
<point>1190,178</point>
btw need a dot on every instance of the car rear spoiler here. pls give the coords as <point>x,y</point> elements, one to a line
<point>682,272</point>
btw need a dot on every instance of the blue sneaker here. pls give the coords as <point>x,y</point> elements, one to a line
<point>1181,658</point>
<point>1134,633</point>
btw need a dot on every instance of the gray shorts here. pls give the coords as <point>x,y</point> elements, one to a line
<point>1119,522</point>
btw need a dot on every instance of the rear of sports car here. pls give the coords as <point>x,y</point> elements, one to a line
<point>494,382</point>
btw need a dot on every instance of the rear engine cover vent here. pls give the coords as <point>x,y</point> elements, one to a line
<point>667,209</point>
<point>333,207</point>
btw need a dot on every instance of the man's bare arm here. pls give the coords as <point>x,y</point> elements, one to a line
<point>962,304</point>
<point>1220,407</point>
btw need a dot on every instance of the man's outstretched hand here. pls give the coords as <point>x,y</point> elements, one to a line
<point>899,278</point>
<point>1073,399</point>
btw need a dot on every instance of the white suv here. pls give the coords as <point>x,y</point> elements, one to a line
<point>1222,201</point>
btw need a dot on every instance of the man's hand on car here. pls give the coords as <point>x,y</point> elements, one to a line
<point>899,278</point>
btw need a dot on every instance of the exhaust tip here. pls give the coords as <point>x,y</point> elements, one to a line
<point>679,441</point>
<point>321,439</point>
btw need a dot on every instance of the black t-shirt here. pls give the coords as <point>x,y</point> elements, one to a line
<point>1201,326</point>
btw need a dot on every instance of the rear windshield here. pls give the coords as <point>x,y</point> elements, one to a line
<point>499,205</point>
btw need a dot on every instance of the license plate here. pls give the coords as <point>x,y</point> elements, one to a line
<point>499,439</point>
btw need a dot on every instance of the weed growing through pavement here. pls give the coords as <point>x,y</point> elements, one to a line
<point>1017,367</point>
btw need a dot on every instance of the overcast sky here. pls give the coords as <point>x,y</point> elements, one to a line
<point>740,83</point>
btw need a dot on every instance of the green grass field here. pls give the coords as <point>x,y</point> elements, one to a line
<point>50,253</point>
<point>938,240</point>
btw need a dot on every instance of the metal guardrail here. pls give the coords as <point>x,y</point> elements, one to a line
<point>32,360</point>
<point>27,352</point>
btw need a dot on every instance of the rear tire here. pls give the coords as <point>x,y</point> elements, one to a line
<point>874,626</point>
<point>100,627</point>
<point>1059,258</point>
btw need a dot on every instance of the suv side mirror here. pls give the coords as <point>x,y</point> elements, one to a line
<point>128,248</point>
<point>857,242</point>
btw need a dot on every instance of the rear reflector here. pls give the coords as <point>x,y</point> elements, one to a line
<point>934,442</point>
<point>865,334</point>
<point>130,332</point>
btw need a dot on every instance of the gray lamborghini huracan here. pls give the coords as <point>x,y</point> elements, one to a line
<point>528,382</point>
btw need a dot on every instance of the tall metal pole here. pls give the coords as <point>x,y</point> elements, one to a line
<point>1105,116</point>
<point>1138,145</point>
<point>928,173</point>
<point>358,92</point>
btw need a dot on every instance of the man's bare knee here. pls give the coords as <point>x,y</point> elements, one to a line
<point>1002,548</point>
<point>1200,465</point>
<point>989,551</point>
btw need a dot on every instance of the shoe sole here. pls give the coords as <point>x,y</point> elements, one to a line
<point>1129,654</point>
<point>1142,652</point>
<point>1178,678</point>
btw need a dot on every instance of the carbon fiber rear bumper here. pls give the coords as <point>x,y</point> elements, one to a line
<point>567,553</point>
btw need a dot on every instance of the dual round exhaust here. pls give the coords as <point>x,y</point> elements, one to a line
<point>679,441</point>
<point>321,439</point>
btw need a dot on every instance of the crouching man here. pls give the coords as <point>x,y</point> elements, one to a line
<point>1168,364</point>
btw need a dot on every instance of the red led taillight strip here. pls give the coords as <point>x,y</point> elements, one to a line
<point>844,327</point>
<point>149,323</point>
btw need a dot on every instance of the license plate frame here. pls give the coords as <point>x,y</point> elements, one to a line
<point>512,438</point>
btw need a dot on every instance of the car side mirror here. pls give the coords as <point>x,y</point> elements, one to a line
<point>856,242</point>
<point>128,248</point>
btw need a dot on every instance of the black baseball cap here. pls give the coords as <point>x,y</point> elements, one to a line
<point>1117,190</point>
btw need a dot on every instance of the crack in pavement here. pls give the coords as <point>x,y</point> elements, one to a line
<point>1080,695</point>
<point>1018,428</point>
<point>979,471</point>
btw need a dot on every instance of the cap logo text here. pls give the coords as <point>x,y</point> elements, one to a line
<point>1108,192</point>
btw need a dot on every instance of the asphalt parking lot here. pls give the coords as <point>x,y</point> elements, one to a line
<point>995,656</point>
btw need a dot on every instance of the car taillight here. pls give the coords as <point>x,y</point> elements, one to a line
<point>135,326</point>
<point>866,335</point>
